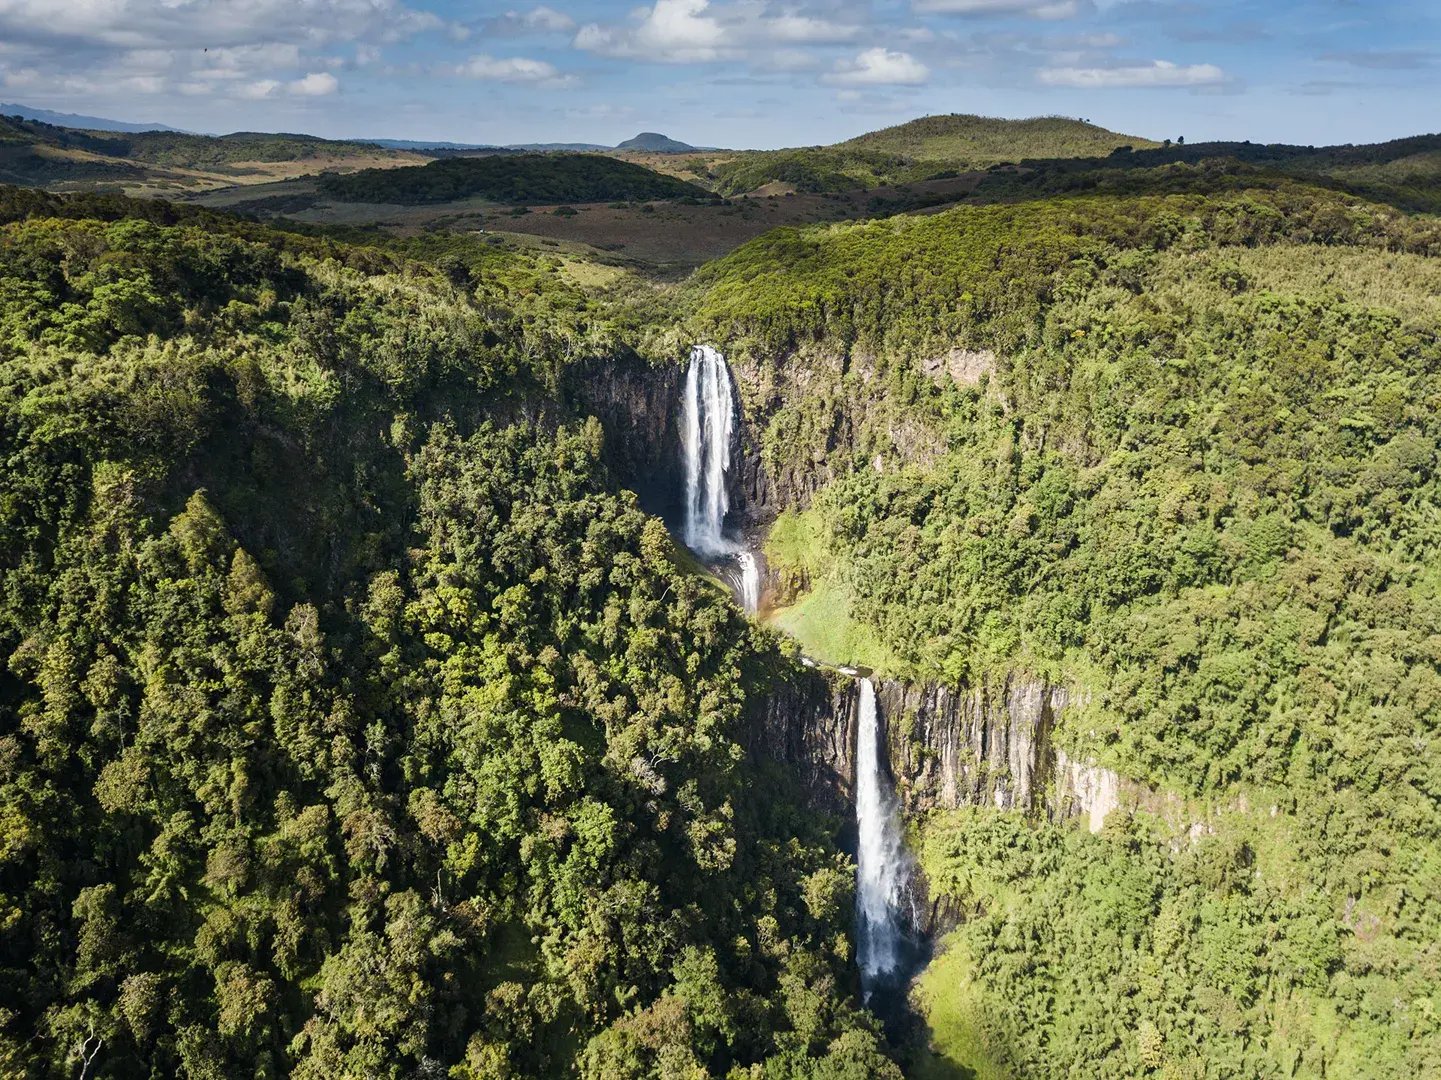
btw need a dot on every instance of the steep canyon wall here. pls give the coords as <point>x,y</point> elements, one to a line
<point>988,744</point>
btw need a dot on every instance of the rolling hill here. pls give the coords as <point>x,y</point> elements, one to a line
<point>922,149</point>
<point>513,178</point>
<point>34,153</point>
<point>963,140</point>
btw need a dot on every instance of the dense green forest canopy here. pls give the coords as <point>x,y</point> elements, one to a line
<point>1405,173</point>
<point>358,723</point>
<point>355,725</point>
<point>1183,459</point>
<point>922,149</point>
<point>515,178</point>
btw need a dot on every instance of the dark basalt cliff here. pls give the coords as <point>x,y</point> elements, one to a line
<point>987,745</point>
<point>638,405</point>
<point>808,723</point>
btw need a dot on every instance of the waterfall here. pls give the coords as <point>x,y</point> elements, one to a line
<point>708,427</point>
<point>750,581</point>
<point>882,865</point>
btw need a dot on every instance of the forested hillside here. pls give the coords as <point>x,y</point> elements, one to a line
<point>972,141</point>
<point>930,147</point>
<point>518,178</point>
<point>1184,461</point>
<point>358,722</point>
<point>355,725</point>
<point>179,148</point>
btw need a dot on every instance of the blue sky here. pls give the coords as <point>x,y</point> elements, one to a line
<point>744,73</point>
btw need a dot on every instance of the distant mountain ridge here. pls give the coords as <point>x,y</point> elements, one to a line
<point>650,141</point>
<point>77,120</point>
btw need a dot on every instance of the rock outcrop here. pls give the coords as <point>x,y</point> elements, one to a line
<point>808,724</point>
<point>982,746</point>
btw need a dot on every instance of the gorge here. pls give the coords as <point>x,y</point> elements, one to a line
<point>983,746</point>
<point>426,654</point>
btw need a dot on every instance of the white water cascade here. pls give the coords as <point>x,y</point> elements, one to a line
<point>708,426</point>
<point>750,580</point>
<point>882,865</point>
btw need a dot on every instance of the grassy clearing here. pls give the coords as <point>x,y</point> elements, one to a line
<point>822,623</point>
<point>951,1004</point>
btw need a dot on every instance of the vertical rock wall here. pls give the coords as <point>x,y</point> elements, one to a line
<point>989,745</point>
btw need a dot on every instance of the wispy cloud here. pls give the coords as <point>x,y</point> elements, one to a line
<point>538,20</point>
<point>1036,9</point>
<point>208,23</point>
<point>513,69</point>
<point>1156,73</point>
<point>695,31</point>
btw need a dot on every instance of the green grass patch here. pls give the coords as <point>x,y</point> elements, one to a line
<point>822,623</point>
<point>951,1004</point>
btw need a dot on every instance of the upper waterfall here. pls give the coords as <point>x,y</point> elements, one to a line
<point>882,865</point>
<point>707,428</point>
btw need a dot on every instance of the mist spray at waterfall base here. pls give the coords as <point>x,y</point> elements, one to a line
<point>708,430</point>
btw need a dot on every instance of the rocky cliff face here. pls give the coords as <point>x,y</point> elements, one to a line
<point>638,404</point>
<point>814,412</point>
<point>808,723</point>
<point>988,745</point>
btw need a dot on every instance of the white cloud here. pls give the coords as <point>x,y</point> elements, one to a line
<point>1156,73</point>
<point>695,31</point>
<point>512,69</point>
<point>316,84</point>
<point>237,63</point>
<point>261,88</point>
<point>207,23</point>
<point>1036,9</point>
<point>674,31</point>
<point>538,20</point>
<point>879,67</point>
<point>96,51</point>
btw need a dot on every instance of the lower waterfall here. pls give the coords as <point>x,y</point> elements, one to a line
<point>882,864</point>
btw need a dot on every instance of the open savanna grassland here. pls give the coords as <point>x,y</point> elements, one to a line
<point>167,163</point>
